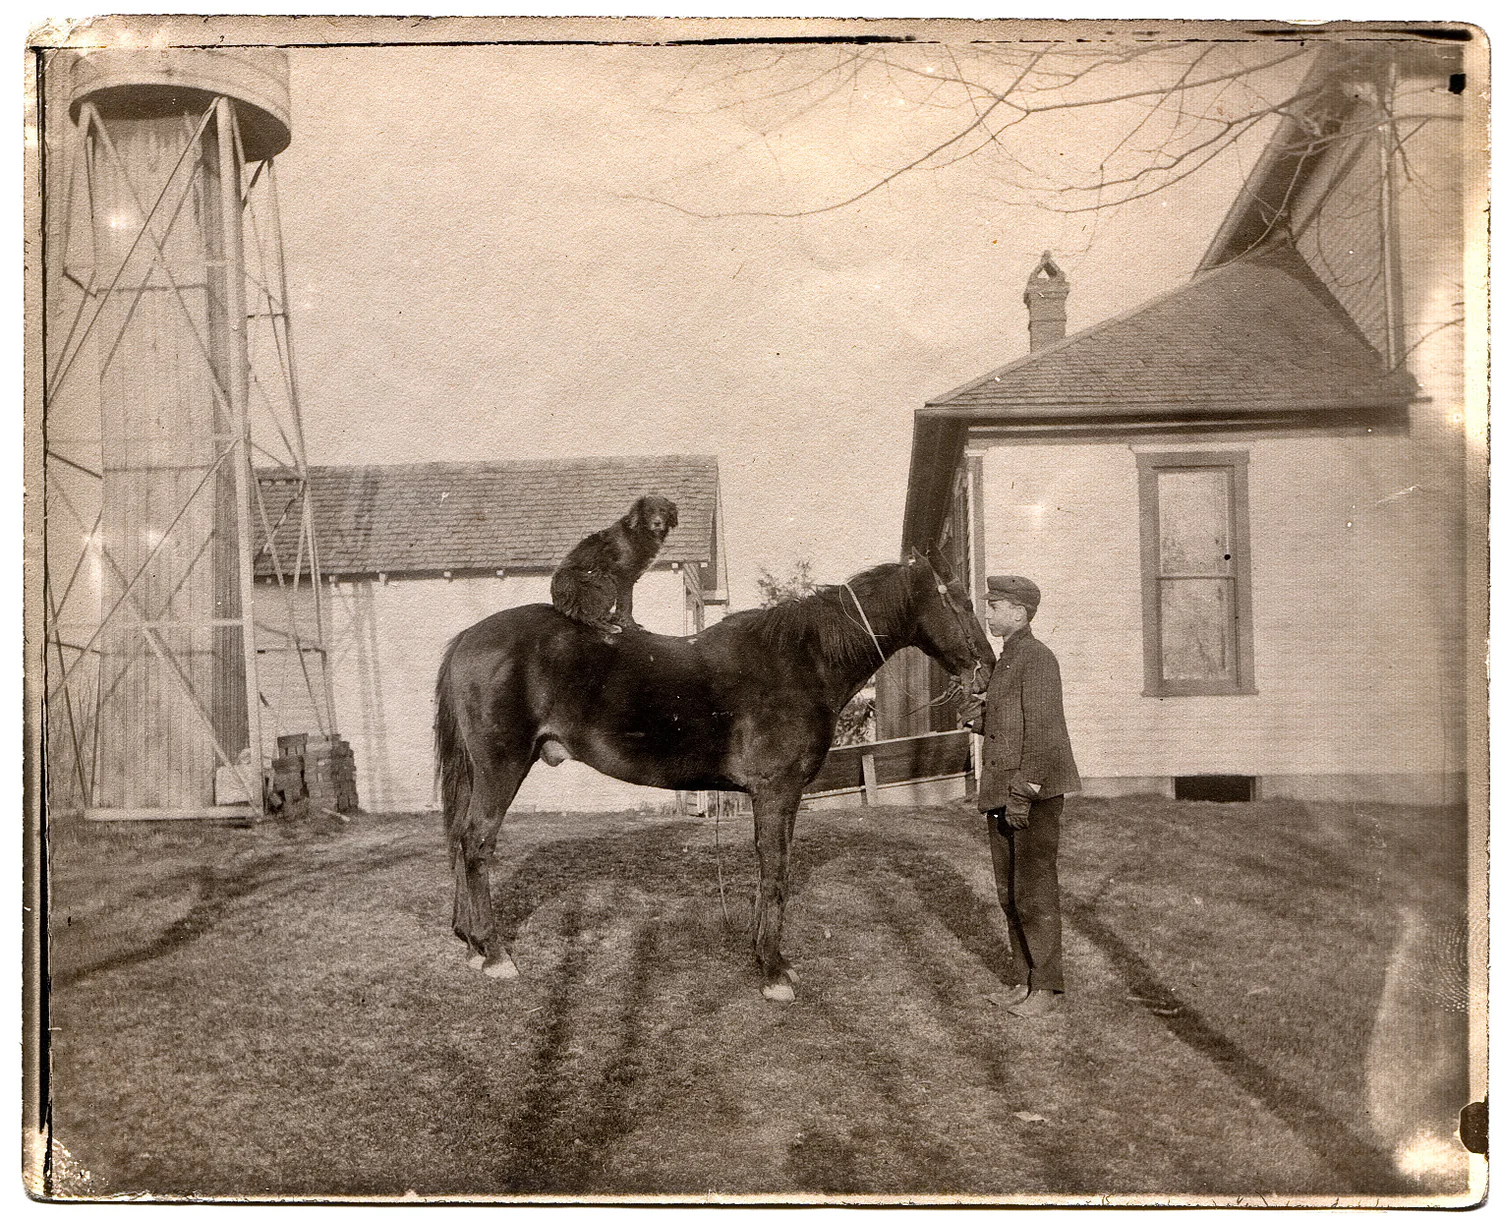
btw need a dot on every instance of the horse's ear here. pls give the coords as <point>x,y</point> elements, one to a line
<point>940,566</point>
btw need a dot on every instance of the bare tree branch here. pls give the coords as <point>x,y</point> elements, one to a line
<point>1196,103</point>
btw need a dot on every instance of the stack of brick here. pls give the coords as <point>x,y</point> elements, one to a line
<point>328,772</point>
<point>311,772</point>
<point>288,790</point>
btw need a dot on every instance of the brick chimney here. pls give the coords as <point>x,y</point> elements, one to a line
<point>1047,300</point>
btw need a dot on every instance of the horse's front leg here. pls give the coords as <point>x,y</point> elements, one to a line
<point>775,819</point>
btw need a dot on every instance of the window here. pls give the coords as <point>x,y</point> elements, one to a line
<point>1195,573</point>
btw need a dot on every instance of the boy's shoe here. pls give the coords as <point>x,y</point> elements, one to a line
<point>1039,1004</point>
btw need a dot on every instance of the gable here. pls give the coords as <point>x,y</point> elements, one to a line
<point>1335,102</point>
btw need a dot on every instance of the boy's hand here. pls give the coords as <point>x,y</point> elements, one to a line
<point>1017,811</point>
<point>1018,801</point>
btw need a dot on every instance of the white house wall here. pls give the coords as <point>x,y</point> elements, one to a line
<point>386,641</point>
<point>1357,664</point>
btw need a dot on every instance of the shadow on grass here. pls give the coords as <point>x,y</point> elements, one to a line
<point>594,1088</point>
<point>550,1152</point>
<point>1363,1166</point>
<point>540,1159</point>
<point>823,1162</point>
<point>217,893</point>
<point>220,891</point>
<point>560,1129</point>
<point>652,860</point>
<point>558,1141</point>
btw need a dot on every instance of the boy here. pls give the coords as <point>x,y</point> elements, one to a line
<point>1027,768</point>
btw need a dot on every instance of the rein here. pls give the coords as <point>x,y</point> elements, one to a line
<point>948,694</point>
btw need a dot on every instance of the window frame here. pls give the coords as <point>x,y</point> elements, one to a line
<point>1149,466</point>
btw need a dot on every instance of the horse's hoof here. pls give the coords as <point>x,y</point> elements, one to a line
<point>476,960</point>
<point>792,977</point>
<point>779,991</point>
<point>501,969</point>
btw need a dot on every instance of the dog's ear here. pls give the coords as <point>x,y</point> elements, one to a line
<point>635,518</point>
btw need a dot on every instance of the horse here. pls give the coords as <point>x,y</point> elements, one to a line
<point>747,704</point>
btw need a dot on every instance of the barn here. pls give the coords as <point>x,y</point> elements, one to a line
<point>1247,499</point>
<point>410,554</point>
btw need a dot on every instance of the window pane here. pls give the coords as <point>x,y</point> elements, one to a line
<point>1194,520</point>
<point>1197,629</point>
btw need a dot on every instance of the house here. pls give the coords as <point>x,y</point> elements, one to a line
<point>1249,501</point>
<point>411,554</point>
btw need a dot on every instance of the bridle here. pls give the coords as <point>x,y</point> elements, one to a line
<point>864,620</point>
<point>955,683</point>
<point>955,686</point>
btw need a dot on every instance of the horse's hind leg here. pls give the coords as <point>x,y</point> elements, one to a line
<point>494,786</point>
<point>775,819</point>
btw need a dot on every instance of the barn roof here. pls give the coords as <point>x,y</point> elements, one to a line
<point>486,515</point>
<point>1257,342</point>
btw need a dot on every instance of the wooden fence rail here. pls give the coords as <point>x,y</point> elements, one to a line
<point>869,768</point>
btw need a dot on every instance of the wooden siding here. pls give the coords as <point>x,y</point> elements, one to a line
<point>1354,653</point>
<point>386,641</point>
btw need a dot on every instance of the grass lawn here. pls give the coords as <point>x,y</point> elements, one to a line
<point>1266,1000</point>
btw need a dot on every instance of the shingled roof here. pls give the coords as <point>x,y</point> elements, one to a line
<point>1257,342</point>
<point>1261,333</point>
<point>486,515</point>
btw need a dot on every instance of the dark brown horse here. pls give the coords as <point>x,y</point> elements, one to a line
<point>748,704</point>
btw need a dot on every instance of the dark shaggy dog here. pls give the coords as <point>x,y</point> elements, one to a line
<point>596,581</point>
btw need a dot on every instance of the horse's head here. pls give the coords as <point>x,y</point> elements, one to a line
<point>944,624</point>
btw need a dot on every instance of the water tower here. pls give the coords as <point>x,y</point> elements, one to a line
<point>176,468</point>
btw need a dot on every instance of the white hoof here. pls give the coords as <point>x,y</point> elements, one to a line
<point>781,991</point>
<point>501,969</point>
<point>476,960</point>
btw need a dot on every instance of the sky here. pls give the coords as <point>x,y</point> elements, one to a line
<point>492,254</point>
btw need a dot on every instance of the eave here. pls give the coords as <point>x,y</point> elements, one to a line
<point>941,434</point>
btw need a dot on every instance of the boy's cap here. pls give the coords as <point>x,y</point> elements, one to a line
<point>1013,587</point>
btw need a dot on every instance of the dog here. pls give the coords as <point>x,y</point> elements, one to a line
<point>596,581</point>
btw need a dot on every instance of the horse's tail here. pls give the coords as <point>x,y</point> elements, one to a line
<point>455,770</point>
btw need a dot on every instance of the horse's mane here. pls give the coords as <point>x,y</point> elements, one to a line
<point>828,621</point>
